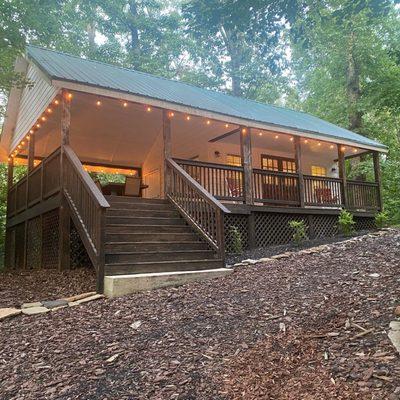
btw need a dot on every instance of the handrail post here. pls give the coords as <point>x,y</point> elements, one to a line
<point>245,149</point>
<point>377,172</point>
<point>101,253</point>
<point>167,151</point>
<point>64,222</point>
<point>342,175</point>
<point>299,169</point>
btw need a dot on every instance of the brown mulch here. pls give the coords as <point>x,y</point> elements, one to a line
<point>288,329</point>
<point>17,288</point>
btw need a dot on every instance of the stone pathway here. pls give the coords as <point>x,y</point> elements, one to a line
<point>41,307</point>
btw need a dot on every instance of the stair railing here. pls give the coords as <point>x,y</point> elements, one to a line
<point>200,209</point>
<point>88,208</point>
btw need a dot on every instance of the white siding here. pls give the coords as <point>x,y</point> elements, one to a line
<point>34,101</point>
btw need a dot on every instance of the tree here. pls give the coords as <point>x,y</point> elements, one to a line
<point>245,39</point>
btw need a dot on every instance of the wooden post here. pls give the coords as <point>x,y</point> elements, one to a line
<point>377,172</point>
<point>342,174</point>
<point>31,153</point>
<point>299,168</point>
<point>245,150</point>
<point>167,150</point>
<point>10,173</point>
<point>64,223</point>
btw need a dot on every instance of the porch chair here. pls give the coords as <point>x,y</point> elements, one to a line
<point>132,186</point>
<point>234,187</point>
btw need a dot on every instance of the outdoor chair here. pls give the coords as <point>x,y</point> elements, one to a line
<point>132,186</point>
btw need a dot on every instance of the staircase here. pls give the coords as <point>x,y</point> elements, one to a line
<point>150,236</point>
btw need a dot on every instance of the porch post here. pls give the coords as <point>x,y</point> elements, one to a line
<point>342,174</point>
<point>64,225</point>
<point>31,153</point>
<point>299,168</point>
<point>377,172</point>
<point>10,172</point>
<point>167,150</point>
<point>245,149</point>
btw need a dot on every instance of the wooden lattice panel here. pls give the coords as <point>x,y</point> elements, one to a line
<point>34,244</point>
<point>50,239</point>
<point>79,255</point>
<point>9,259</point>
<point>323,226</point>
<point>20,246</point>
<point>364,223</point>
<point>241,223</point>
<point>273,228</point>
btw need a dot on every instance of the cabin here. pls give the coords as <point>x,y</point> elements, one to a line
<point>137,174</point>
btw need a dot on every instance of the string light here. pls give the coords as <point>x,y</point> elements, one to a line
<point>276,136</point>
<point>98,103</point>
<point>43,118</point>
<point>331,146</point>
<point>343,148</point>
<point>208,122</point>
<point>22,143</point>
<point>28,137</point>
<point>226,125</point>
<point>260,134</point>
<point>69,96</point>
<point>171,114</point>
<point>31,131</point>
<point>148,109</point>
<point>319,144</point>
<point>244,130</point>
<point>291,139</point>
<point>125,104</point>
<point>305,141</point>
<point>56,102</point>
<point>355,151</point>
<point>49,110</point>
<point>37,125</point>
<point>187,117</point>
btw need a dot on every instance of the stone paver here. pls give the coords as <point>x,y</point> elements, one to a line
<point>29,305</point>
<point>8,312</point>
<point>394,334</point>
<point>54,303</point>
<point>35,310</point>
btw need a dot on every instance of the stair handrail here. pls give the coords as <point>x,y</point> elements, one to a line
<point>88,208</point>
<point>199,207</point>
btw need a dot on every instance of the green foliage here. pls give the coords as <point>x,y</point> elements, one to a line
<point>299,231</point>
<point>236,239</point>
<point>346,223</point>
<point>381,220</point>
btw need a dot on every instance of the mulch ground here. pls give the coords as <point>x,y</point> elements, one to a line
<point>17,288</point>
<point>306,327</point>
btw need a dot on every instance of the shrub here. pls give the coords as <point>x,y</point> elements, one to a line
<point>236,239</point>
<point>346,222</point>
<point>299,231</point>
<point>381,220</point>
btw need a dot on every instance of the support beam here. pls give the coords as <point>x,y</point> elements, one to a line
<point>377,171</point>
<point>31,153</point>
<point>299,168</point>
<point>10,172</point>
<point>167,149</point>
<point>64,222</point>
<point>342,174</point>
<point>245,149</point>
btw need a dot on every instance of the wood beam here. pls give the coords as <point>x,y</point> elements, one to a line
<point>342,174</point>
<point>245,149</point>
<point>65,218</point>
<point>167,146</point>
<point>224,135</point>
<point>378,180</point>
<point>299,168</point>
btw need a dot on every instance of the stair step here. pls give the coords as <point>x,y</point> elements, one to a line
<point>141,205</point>
<point>159,236</point>
<point>116,228</point>
<point>161,266</point>
<point>115,247</point>
<point>176,255</point>
<point>145,220</point>
<point>123,212</point>
<point>127,199</point>
<point>121,285</point>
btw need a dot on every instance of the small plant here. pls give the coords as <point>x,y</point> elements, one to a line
<point>299,231</point>
<point>381,220</point>
<point>236,240</point>
<point>346,223</point>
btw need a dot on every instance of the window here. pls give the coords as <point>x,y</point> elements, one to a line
<point>280,164</point>
<point>318,171</point>
<point>234,160</point>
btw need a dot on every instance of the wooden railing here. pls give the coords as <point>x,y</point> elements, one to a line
<point>224,182</point>
<point>39,184</point>
<point>322,191</point>
<point>362,195</point>
<point>87,206</point>
<point>276,187</point>
<point>201,210</point>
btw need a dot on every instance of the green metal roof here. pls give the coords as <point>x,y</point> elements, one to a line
<point>70,68</point>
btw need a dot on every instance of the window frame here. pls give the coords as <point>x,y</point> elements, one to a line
<point>280,161</point>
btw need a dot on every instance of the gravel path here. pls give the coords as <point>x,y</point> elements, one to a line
<point>289,329</point>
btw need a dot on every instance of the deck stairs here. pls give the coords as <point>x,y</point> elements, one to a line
<point>150,236</point>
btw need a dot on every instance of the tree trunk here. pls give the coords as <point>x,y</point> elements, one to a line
<point>353,87</point>
<point>132,23</point>
<point>91,32</point>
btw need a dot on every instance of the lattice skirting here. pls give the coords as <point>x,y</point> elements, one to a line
<point>273,228</point>
<point>35,244</point>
